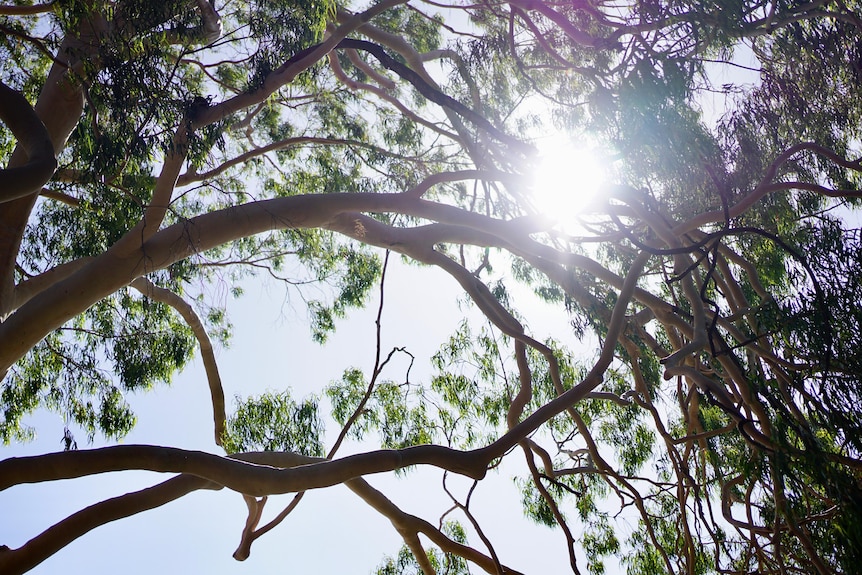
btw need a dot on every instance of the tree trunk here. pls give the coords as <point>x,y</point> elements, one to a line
<point>60,105</point>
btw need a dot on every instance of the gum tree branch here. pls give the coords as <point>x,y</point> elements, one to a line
<point>187,312</point>
<point>41,547</point>
<point>22,120</point>
<point>7,10</point>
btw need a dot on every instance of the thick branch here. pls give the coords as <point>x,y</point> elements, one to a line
<point>59,107</point>
<point>235,472</point>
<point>21,119</point>
<point>155,213</point>
<point>32,286</point>
<point>7,10</point>
<point>104,275</point>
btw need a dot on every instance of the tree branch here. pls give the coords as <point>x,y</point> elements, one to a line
<point>156,293</point>
<point>21,119</point>
<point>237,472</point>
<point>26,557</point>
<point>6,10</point>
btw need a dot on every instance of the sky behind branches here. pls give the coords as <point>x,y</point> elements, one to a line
<point>272,349</point>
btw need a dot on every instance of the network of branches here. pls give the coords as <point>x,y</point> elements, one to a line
<point>156,149</point>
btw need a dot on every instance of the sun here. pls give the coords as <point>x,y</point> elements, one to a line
<point>568,175</point>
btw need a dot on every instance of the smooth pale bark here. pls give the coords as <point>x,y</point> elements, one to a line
<point>59,107</point>
<point>258,481</point>
<point>242,474</point>
<point>31,286</point>
<point>404,523</point>
<point>104,275</point>
<point>8,10</point>
<point>107,273</point>
<point>21,119</point>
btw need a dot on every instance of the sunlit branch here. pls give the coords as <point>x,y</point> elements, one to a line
<point>167,246</point>
<point>32,286</point>
<point>58,196</point>
<point>160,201</point>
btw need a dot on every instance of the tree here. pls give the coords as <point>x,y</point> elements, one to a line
<point>175,144</point>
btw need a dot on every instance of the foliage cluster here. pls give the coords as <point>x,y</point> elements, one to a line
<point>714,428</point>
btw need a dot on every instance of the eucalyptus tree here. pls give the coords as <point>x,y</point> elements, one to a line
<point>153,148</point>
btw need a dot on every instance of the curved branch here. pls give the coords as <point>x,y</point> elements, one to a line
<point>366,69</point>
<point>7,10</point>
<point>38,549</point>
<point>191,318</point>
<point>28,288</point>
<point>121,264</point>
<point>237,472</point>
<point>405,522</point>
<point>434,94</point>
<point>61,197</point>
<point>21,119</point>
<point>163,190</point>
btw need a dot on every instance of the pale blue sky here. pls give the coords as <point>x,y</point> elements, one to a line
<point>332,531</point>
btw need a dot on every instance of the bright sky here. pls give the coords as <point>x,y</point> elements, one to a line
<point>568,176</point>
<point>331,531</point>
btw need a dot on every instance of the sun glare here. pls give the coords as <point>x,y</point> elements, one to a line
<point>567,177</point>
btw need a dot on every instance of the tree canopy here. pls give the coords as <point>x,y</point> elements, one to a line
<point>709,385</point>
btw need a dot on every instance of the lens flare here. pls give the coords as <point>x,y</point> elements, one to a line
<point>568,175</point>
